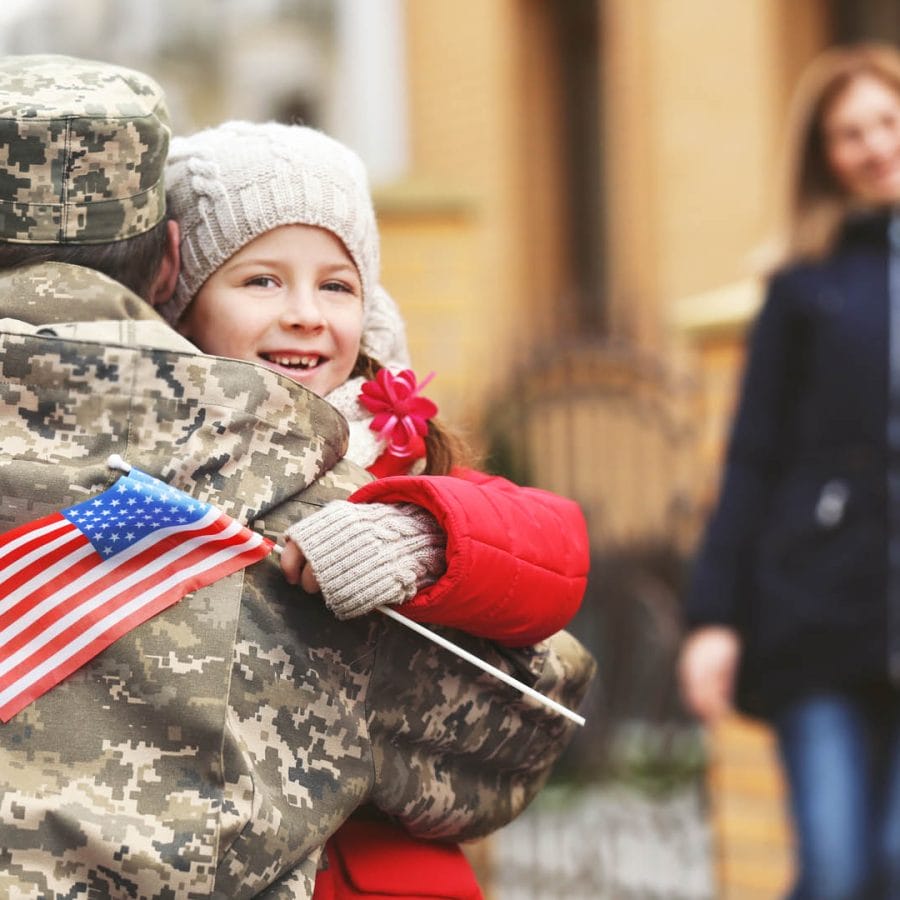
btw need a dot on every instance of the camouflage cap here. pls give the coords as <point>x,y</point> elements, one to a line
<point>83,147</point>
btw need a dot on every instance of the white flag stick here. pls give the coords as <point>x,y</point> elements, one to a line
<point>116,462</point>
<point>476,661</point>
<point>486,666</point>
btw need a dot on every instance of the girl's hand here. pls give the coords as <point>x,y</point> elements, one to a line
<point>707,670</point>
<point>296,569</point>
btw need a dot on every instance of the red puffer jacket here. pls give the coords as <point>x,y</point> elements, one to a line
<point>517,558</point>
<point>517,563</point>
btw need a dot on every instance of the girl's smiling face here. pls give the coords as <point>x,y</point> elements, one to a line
<point>291,300</point>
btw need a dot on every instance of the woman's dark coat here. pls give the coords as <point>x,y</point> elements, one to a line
<point>796,553</point>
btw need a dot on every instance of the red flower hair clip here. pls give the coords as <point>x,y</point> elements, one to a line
<point>401,417</point>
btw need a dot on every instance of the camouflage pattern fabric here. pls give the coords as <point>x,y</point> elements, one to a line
<point>83,147</point>
<point>212,750</point>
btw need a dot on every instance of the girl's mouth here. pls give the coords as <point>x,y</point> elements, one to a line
<point>293,360</point>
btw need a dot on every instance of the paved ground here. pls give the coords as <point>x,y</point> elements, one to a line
<point>605,843</point>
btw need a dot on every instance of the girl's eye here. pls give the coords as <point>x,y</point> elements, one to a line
<point>264,281</point>
<point>338,286</point>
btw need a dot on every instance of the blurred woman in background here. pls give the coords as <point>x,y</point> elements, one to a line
<point>794,608</point>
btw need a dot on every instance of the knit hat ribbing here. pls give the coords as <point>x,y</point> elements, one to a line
<point>384,332</point>
<point>228,185</point>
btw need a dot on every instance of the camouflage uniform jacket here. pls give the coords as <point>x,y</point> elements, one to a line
<point>212,750</point>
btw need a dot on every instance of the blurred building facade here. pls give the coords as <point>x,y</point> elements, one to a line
<point>588,182</point>
<point>568,192</point>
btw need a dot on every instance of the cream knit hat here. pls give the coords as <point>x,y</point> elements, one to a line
<point>228,185</point>
<point>384,332</point>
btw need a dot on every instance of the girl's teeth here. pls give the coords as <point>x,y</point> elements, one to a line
<point>305,362</point>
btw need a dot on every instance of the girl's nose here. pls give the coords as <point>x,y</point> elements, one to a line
<point>301,310</point>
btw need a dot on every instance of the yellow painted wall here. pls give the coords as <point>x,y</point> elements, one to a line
<point>691,100</point>
<point>474,240</point>
<point>463,130</point>
<point>751,833</point>
<point>430,255</point>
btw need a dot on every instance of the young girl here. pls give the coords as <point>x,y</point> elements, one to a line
<point>280,266</point>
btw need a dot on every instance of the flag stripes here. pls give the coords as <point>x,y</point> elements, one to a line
<point>62,601</point>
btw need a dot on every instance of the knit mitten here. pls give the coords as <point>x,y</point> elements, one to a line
<point>368,554</point>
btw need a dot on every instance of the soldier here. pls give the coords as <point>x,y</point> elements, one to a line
<point>210,751</point>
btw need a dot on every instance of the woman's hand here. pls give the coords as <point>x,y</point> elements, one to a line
<point>707,669</point>
<point>296,569</point>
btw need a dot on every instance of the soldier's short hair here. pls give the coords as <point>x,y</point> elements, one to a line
<point>134,262</point>
<point>83,147</point>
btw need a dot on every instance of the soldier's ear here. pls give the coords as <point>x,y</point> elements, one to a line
<point>163,285</point>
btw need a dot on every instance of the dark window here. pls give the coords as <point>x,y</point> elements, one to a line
<point>579,52</point>
<point>865,20</point>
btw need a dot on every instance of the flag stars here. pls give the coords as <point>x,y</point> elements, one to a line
<point>118,519</point>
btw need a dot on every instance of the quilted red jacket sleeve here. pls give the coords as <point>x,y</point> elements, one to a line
<point>517,557</point>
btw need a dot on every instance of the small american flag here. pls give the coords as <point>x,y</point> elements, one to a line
<point>77,580</point>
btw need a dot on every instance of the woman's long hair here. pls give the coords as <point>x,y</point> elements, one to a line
<point>816,203</point>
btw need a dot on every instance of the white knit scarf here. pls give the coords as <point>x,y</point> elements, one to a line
<point>365,445</point>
